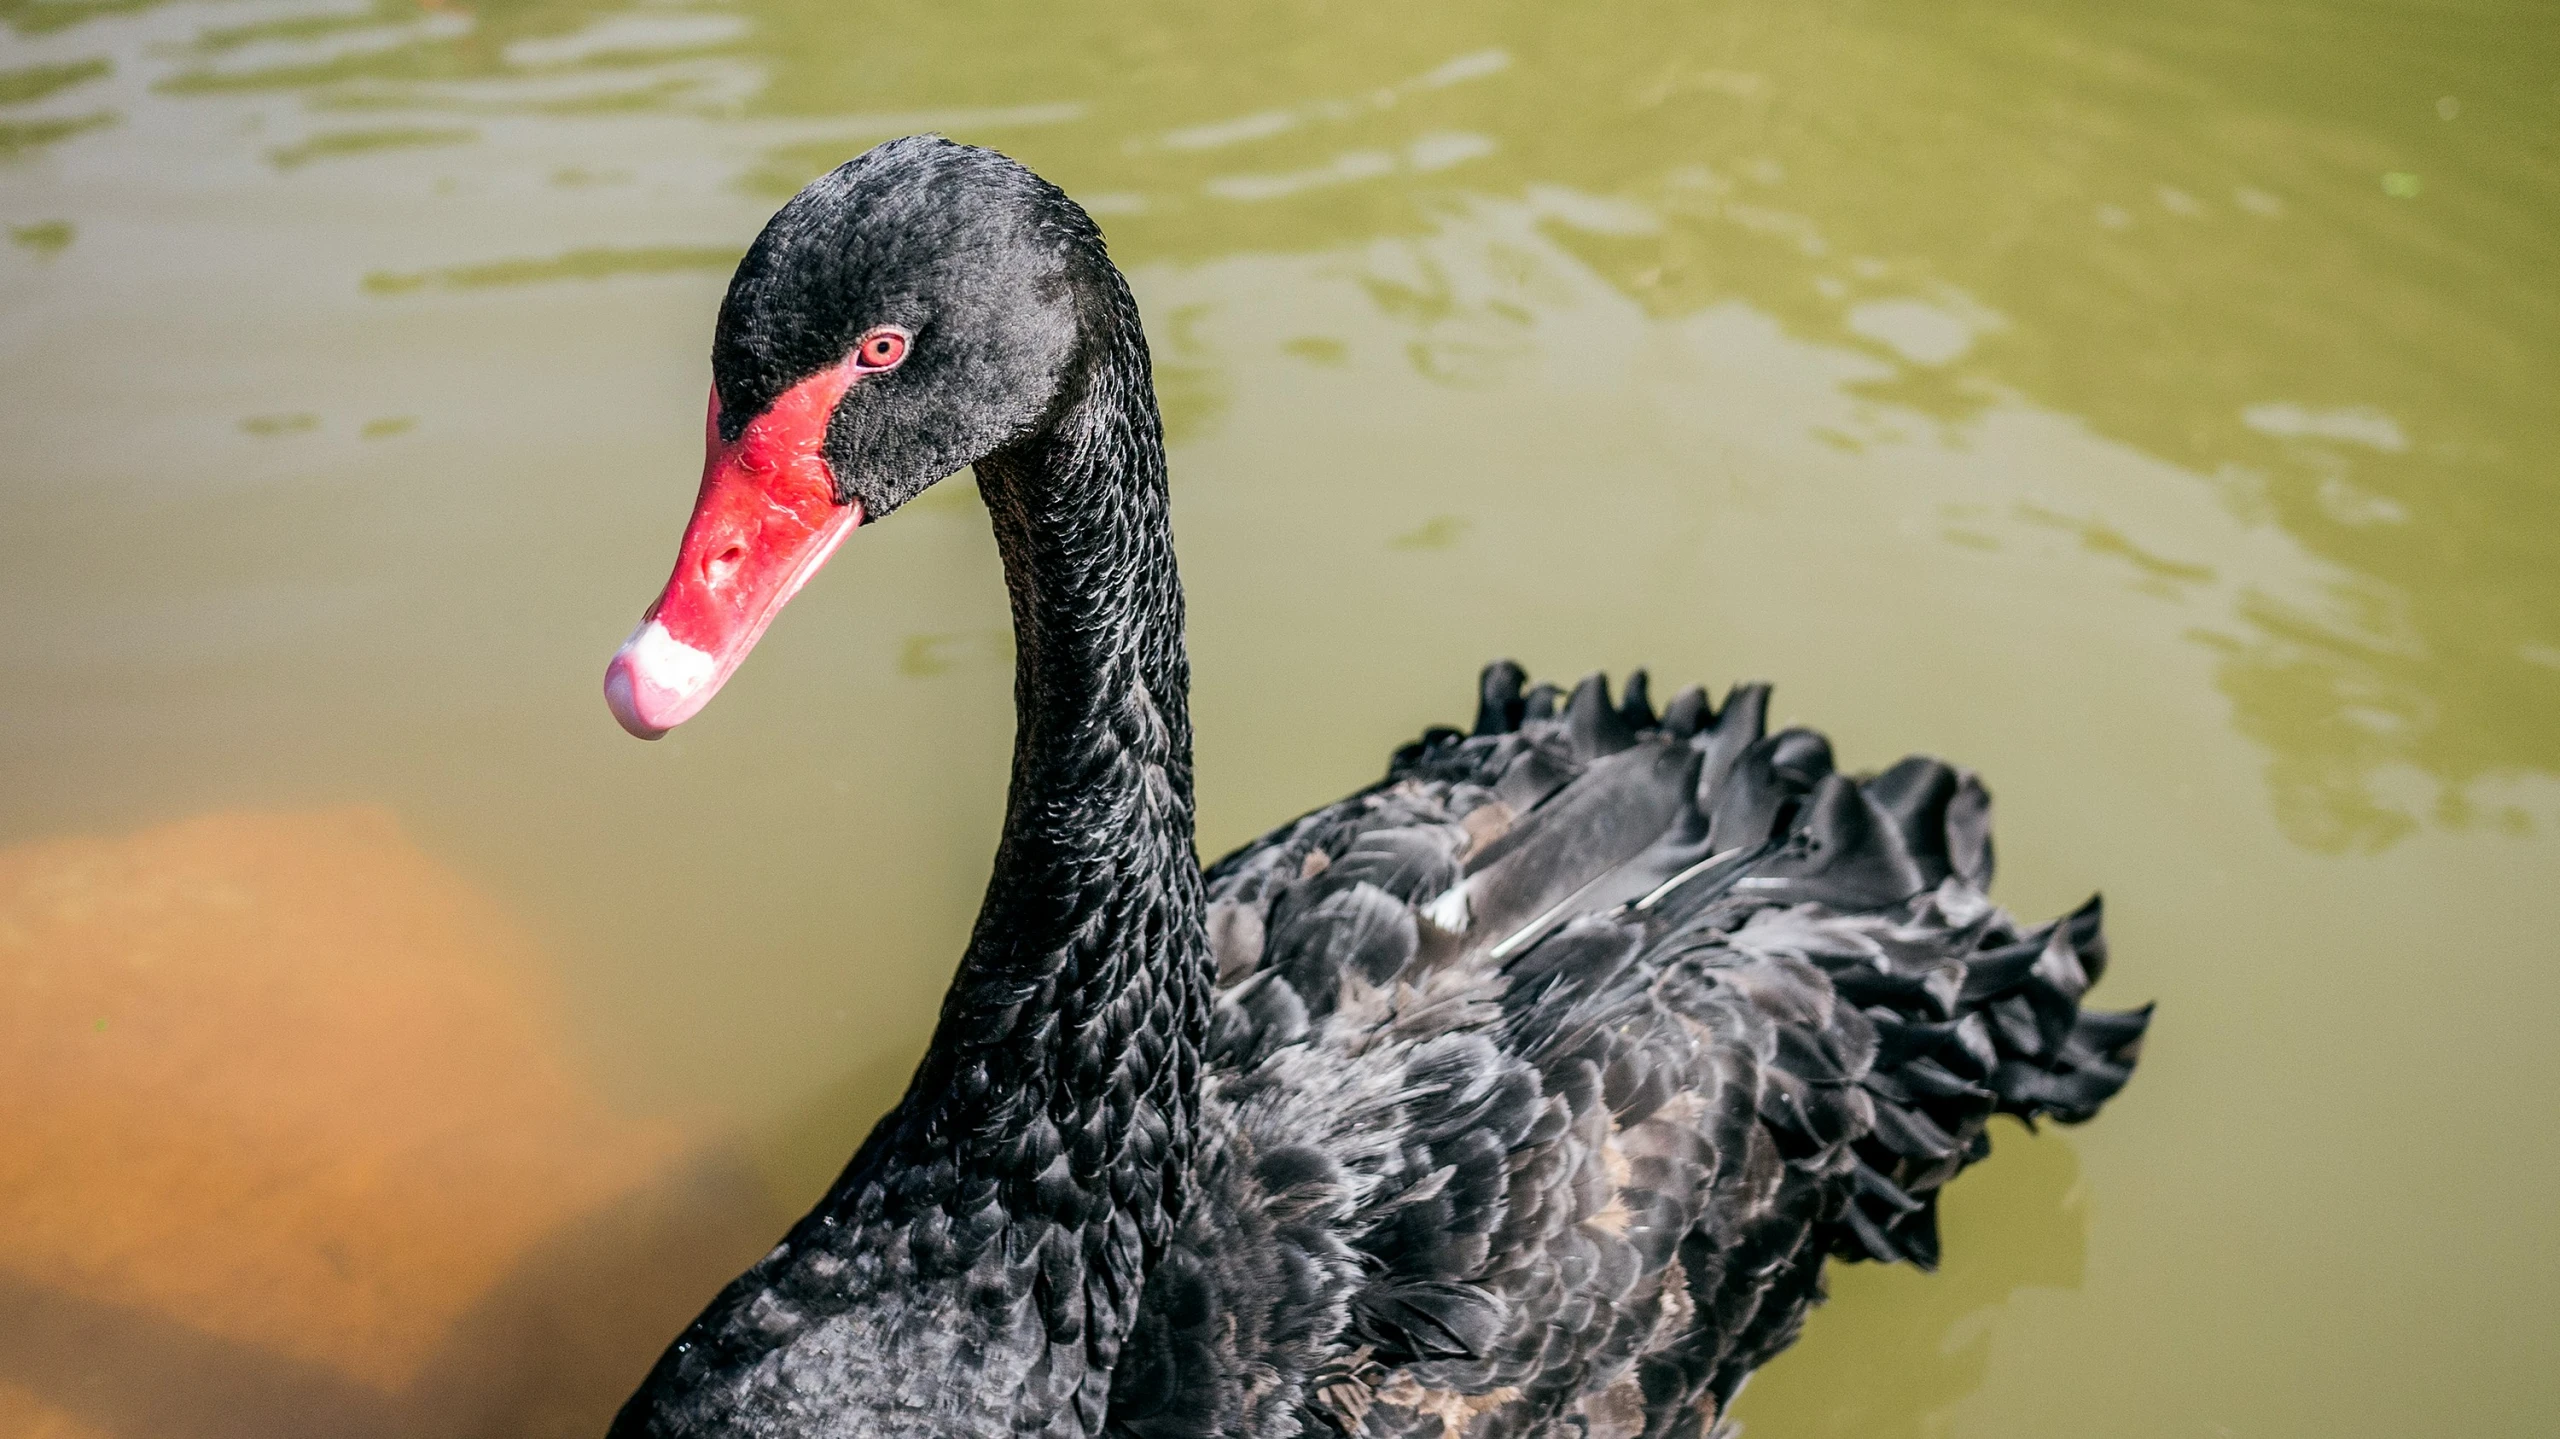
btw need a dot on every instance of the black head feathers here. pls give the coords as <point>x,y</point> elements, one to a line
<point>986,267</point>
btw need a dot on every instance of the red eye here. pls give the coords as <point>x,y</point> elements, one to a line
<point>880,349</point>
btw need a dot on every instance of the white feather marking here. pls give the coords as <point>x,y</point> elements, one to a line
<point>1684,876</point>
<point>1536,929</point>
<point>1449,913</point>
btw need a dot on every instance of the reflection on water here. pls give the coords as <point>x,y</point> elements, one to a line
<point>34,82</point>
<point>2152,409</point>
<point>1906,1348</point>
<point>332,144</point>
<point>294,1147</point>
<point>593,263</point>
<point>2191,249</point>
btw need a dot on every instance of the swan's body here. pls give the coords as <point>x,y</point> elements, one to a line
<point>1524,1093</point>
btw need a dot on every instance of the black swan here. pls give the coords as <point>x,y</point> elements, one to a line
<point>1524,1092</point>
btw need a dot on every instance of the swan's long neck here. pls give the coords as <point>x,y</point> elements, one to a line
<point>1082,995</point>
<point>1033,1167</point>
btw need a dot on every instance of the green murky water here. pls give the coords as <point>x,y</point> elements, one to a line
<point>2155,410</point>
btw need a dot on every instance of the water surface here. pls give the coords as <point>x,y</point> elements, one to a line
<point>2153,411</point>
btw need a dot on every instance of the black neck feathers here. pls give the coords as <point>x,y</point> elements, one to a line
<point>1076,1001</point>
<point>1040,1149</point>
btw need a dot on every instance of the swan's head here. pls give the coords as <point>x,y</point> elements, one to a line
<point>904,316</point>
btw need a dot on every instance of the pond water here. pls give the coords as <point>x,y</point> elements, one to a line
<point>2154,411</point>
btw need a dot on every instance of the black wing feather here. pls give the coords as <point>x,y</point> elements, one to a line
<point>1546,1074</point>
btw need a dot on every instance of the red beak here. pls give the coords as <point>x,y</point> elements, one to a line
<point>766,519</point>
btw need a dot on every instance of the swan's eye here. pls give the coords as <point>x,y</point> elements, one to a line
<point>881,349</point>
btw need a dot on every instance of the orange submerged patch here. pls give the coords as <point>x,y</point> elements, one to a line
<point>286,1082</point>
